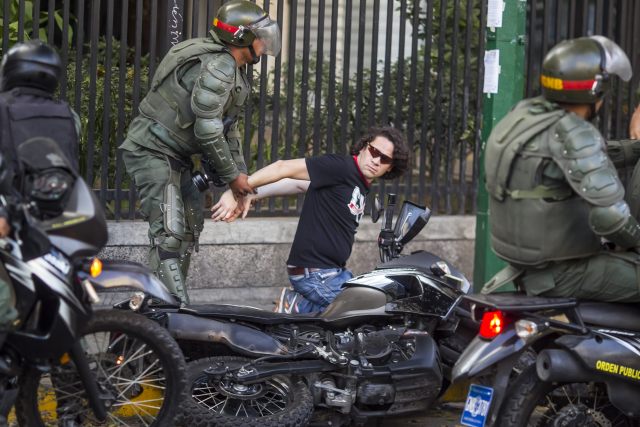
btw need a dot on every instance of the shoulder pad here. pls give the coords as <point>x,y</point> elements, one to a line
<point>577,138</point>
<point>213,86</point>
<point>573,138</point>
<point>222,67</point>
<point>579,149</point>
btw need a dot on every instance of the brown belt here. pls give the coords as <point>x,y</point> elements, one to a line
<point>297,271</point>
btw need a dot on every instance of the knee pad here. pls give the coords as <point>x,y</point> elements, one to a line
<point>173,212</point>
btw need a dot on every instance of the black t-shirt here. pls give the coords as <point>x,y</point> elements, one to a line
<point>332,209</point>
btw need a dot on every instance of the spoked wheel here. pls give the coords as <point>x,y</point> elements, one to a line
<point>140,372</point>
<point>275,401</point>
<point>533,402</point>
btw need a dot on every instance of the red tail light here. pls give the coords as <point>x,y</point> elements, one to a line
<point>492,324</point>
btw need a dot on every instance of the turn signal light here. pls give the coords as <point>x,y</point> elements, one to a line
<point>492,324</point>
<point>96,268</point>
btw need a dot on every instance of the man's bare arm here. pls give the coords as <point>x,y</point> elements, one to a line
<point>228,208</point>
<point>284,187</point>
<point>295,169</point>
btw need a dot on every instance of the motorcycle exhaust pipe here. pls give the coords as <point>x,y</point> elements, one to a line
<point>560,366</point>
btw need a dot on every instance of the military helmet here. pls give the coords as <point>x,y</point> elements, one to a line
<point>240,22</point>
<point>579,71</point>
<point>30,64</point>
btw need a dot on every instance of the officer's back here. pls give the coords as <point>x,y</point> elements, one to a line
<point>29,76</point>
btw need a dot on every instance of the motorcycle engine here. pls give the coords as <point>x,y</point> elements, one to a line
<point>377,346</point>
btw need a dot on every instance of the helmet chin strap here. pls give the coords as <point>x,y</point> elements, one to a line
<point>255,58</point>
<point>593,113</point>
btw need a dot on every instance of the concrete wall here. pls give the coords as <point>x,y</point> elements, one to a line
<point>244,262</point>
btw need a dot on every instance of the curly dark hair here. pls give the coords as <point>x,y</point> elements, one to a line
<point>400,148</point>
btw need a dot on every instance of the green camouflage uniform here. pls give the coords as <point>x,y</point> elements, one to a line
<point>554,193</point>
<point>195,97</point>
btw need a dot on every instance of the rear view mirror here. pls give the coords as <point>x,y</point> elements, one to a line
<point>376,209</point>
<point>411,221</point>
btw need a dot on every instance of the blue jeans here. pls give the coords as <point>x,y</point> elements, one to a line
<point>319,288</point>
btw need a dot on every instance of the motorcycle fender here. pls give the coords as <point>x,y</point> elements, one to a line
<point>613,359</point>
<point>119,274</point>
<point>614,356</point>
<point>482,354</point>
<point>239,338</point>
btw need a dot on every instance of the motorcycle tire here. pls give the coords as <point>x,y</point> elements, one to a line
<point>197,412</point>
<point>134,345</point>
<point>529,396</point>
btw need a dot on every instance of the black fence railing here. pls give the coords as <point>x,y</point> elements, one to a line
<point>345,65</point>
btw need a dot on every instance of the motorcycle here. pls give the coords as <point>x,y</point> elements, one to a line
<point>555,362</point>
<point>385,346</point>
<point>61,363</point>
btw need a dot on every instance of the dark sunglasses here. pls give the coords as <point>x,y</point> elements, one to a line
<point>384,159</point>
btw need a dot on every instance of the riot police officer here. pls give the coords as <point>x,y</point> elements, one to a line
<point>29,76</point>
<point>196,96</point>
<point>554,192</point>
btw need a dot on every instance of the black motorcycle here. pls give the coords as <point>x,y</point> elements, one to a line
<point>554,362</point>
<point>62,363</point>
<point>383,347</point>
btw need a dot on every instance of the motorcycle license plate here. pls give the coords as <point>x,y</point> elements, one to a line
<point>477,406</point>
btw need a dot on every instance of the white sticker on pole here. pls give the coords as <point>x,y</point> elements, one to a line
<point>494,13</point>
<point>491,70</point>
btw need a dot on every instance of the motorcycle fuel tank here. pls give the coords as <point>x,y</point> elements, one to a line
<point>391,291</point>
<point>356,302</point>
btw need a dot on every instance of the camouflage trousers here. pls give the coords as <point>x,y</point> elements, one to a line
<point>607,276</point>
<point>172,206</point>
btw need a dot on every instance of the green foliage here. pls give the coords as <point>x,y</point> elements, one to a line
<point>96,105</point>
<point>11,21</point>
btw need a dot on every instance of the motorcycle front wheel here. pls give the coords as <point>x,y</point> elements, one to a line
<point>139,368</point>
<point>532,402</point>
<point>274,402</point>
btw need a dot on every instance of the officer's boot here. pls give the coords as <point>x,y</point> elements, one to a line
<point>166,265</point>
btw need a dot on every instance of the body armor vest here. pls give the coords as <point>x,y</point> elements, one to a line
<point>168,103</point>
<point>535,216</point>
<point>26,113</point>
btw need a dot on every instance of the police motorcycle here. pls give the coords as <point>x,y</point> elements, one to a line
<point>62,363</point>
<point>551,362</point>
<point>384,347</point>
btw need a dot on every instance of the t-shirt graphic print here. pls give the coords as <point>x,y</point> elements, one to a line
<point>356,205</point>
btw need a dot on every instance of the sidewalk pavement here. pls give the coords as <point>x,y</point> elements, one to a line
<point>446,415</point>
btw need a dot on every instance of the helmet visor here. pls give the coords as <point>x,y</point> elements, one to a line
<point>269,32</point>
<point>616,61</point>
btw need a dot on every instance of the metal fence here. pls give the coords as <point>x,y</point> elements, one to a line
<point>345,65</point>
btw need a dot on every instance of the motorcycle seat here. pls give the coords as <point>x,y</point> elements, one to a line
<point>246,313</point>
<point>611,315</point>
